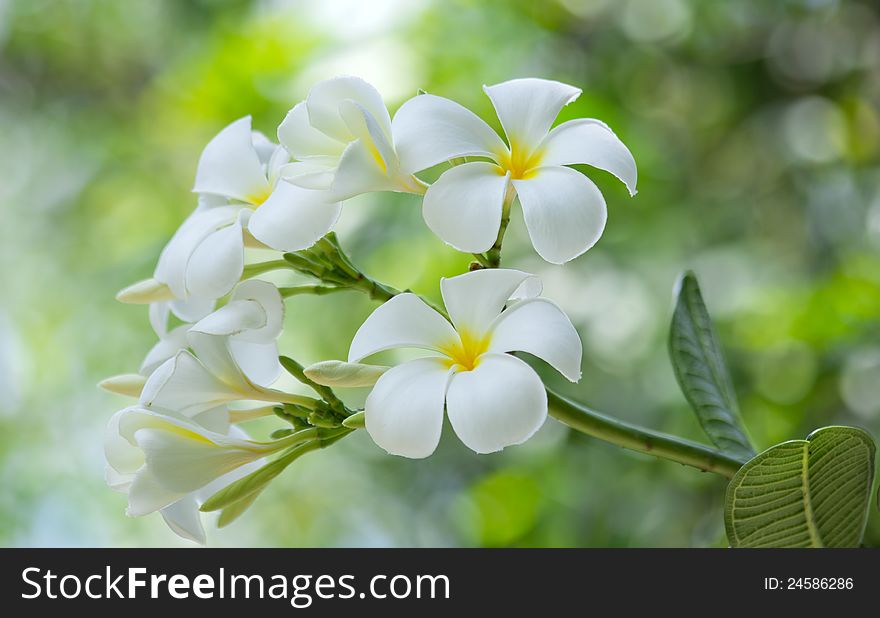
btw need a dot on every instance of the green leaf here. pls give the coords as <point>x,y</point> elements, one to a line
<point>702,374</point>
<point>254,482</point>
<point>235,510</point>
<point>804,493</point>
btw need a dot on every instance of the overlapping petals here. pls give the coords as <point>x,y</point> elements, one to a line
<point>169,464</point>
<point>564,215</point>
<point>341,138</point>
<point>493,399</point>
<point>241,196</point>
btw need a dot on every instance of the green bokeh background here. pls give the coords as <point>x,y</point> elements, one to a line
<point>756,130</point>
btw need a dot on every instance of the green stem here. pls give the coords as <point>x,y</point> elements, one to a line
<point>493,255</point>
<point>639,439</point>
<point>318,290</point>
<point>252,270</point>
<point>374,289</point>
<point>482,260</point>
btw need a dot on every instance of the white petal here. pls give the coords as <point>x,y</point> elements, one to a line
<point>122,456</point>
<point>184,385</point>
<point>263,146</point>
<point>528,107</point>
<point>294,218</point>
<point>593,143</point>
<point>269,299</point>
<point>500,403</point>
<point>158,313</point>
<point>230,166</point>
<point>216,263</point>
<point>258,361</point>
<point>405,321</point>
<point>193,308</point>
<point>474,300</point>
<point>303,140</point>
<point>538,326</point>
<point>324,100</point>
<point>184,519</point>
<point>146,495</point>
<point>315,173</point>
<point>564,212</point>
<point>404,411</point>
<point>171,268</point>
<point>367,129</point>
<point>361,170</point>
<point>215,354</point>
<point>464,206</point>
<point>182,460</point>
<point>168,346</point>
<point>429,130</point>
<point>215,419</point>
<point>232,318</point>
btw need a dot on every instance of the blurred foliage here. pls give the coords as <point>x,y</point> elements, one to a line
<point>755,126</point>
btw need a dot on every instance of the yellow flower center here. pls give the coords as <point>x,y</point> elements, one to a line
<point>464,353</point>
<point>256,199</point>
<point>519,161</point>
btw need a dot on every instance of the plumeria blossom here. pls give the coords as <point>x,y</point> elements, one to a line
<point>234,356</point>
<point>564,211</point>
<point>341,139</point>
<point>242,200</point>
<point>170,464</point>
<point>252,320</point>
<point>493,399</point>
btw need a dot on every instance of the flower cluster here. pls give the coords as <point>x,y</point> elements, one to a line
<point>181,448</point>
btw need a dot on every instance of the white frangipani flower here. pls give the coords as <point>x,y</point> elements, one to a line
<point>493,399</point>
<point>341,139</point>
<point>172,465</point>
<point>236,356</point>
<point>252,320</point>
<point>564,211</point>
<point>241,198</point>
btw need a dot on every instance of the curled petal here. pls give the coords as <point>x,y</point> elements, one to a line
<point>183,384</point>
<point>528,107</point>
<point>538,326</point>
<point>314,173</point>
<point>184,519</point>
<point>464,206</point>
<point>303,140</point>
<point>193,308</point>
<point>258,361</point>
<point>500,403</point>
<point>405,321</point>
<point>564,211</point>
<point>361,170</point>
<point>168,346</point>
<point>590,142</point>
<point>269,298</point>
<point>475,299</point>
<point>429,130</point>
<point>325,98</point>
<point>216,264</point>
<point>230,165</point>
<point>235,317</point>
<point>294,218</point>
<point>404,411</point>
<point>173,261</point>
